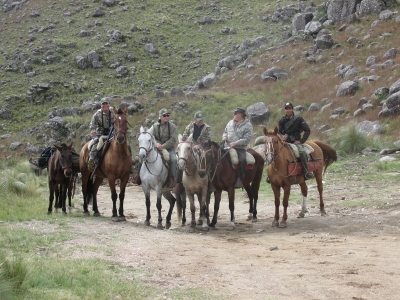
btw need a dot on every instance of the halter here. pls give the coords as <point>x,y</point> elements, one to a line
<point>191,154</point>
<point>148,150</point>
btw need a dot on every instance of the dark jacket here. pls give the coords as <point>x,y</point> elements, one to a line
<point>295,130</point>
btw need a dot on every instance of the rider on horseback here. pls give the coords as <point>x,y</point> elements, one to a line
<point>290,128</point>
<point>99,126</point>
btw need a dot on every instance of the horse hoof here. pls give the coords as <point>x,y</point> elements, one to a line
<point>249,218</point>
<point>183,224</point>
<point>147,223</point>
<point>115,219</point>
<point>86,214</point>
<point>282,225</point>
<point>122,218</point>
<point>49,213</point>
<point>64,213</point>
<point>275,224</point>
<point>230,227</point>
<point>191,230</point>
<point>200,222</point>
<point>301,215</point>
<point>168,225</point>
<point>254,220</point>
<point>323,213</point>
<point>159,226</point>
<point>96,214</point>
<point>205,228</point>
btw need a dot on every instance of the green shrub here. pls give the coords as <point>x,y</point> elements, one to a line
<point>348,140</point>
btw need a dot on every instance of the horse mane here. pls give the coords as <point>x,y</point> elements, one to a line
<point>223,151</point>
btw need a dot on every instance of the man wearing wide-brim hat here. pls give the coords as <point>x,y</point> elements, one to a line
<point>238,133</point>
<point>100,125</point>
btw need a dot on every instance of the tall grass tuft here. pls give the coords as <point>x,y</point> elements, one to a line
<point>13,275</point>
<point>348,140</point>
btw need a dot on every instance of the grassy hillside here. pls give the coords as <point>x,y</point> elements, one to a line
<point>47,35</point>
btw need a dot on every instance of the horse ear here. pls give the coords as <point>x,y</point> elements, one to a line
<point>115,110</point>
<point>125,110</point>
<point>190,138</point>
<point>141,129</point>
<point>276,130</point>
<point>151,130</point>
<point>59,148</point>
<point>180,137</point>
<point>70,145</point>
<point>265,130</point>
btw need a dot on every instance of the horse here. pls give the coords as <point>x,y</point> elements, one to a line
<point>278,155</point>
<point>223,177</point>
<point>153,175</point>
<point>190,162</point>
<point>115,164</point>
<point>60,172</point>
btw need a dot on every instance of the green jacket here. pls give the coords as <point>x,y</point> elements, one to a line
<point>165,134</point>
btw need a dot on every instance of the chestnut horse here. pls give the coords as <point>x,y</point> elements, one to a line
<point>60,172</point>
<point>278,155</point>
<point>223,177</point>
<point>115,164</point>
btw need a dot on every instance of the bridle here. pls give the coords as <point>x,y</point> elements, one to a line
<point>148,150</point>
<point>220,157</point>
<point>199,160</point>
<point>269,151</point>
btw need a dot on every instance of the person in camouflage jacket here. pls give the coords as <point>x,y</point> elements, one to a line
<point>200,131</point>
<point>100,125</point>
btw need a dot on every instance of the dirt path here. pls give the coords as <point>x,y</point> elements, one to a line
<point>348,254</point>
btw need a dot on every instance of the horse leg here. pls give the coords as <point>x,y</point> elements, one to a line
<point>96,185</point>
<point>87,190</point>
<point>217,200</point>
<point>277,194</point>
<point>285,203</point>
<point>203,210</point>
<point>122,188</point>
<point>207,211</point>
<point>183,203</point>
<point>304,192</point>
<point>69,197</point>
<point>318,178</point>
<point>57,203</point>
<point>51,197</point>
<point>63,197</point>
<point>231,196</point>
<point>159,207</point>
<point>252,204</point>
<point>114,197</point>
<point>193,212</point>
<point>148,215</point>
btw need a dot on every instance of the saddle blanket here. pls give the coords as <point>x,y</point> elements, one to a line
<point>295,150</point>
<point>101,142</point>
<point>235,160</point>
<point>295,168</point>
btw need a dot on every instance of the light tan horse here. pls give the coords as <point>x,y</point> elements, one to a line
<point>115,164</point>
<point>190,161</point>
<point>278,154</point>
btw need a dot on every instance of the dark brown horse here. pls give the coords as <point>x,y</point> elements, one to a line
<point>115,164</point>
<point>59,172</point>
<point>281,175</point>
<point>223,177</point>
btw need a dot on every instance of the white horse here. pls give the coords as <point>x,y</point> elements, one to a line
<point>153,175</point>
<point>189,161</point>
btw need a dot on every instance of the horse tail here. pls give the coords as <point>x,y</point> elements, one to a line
<point>330,155</point>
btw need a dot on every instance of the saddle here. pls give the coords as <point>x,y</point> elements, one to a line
<point>235,160</point>
<point>102,148</point>
<point>295,167</point>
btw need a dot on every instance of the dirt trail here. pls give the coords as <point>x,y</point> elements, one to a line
<point>348,254</point>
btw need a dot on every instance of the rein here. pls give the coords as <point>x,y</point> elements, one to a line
<point>220,157</point>
<point>148,150</point>
<point>271,150</point>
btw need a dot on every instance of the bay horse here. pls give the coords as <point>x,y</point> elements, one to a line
<point>60,172</point>
<point>223,177</point>
<point>278,155</point>
<point>190,162</point>
<point>115,164</point>
<point>153,175</point>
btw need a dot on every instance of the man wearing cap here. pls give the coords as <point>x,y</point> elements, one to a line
<point>200,131</point>
<point>295,130</point>
<point>166,136</point>
<point>100,125</point>
<point>238,133</point>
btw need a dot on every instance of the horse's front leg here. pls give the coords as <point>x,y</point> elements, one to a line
<point>159,207</point>
<point>51,198</point>
<point>231,196</point>
<point>69,191</point>
<point>277,194</point>
<point>217,200</point>
<point>171,199</point>
<point>304,192</point>
<point>193,212</point>
<point>252,204</point>
<point>121,199</point>
<point>114,197</point>
<point>148,215</point>
<point>183,204</point>
<point>63,197</point>
<point>203,210</point>
<point>285,203</point>
<point>57,202</point>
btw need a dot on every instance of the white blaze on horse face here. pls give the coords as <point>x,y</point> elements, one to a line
<point>269,149</point>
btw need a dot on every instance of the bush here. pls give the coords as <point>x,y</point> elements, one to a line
<point>348,140</point>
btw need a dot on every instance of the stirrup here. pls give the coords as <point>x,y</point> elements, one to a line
<point>267,180</point>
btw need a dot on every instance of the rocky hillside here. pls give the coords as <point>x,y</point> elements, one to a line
<point>336,60</point>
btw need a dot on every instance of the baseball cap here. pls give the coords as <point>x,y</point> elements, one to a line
<point>199,115</point>
<point>163,111</point>
<point>288,105</point>
<point>240,110</point>
<point>105,100</point>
